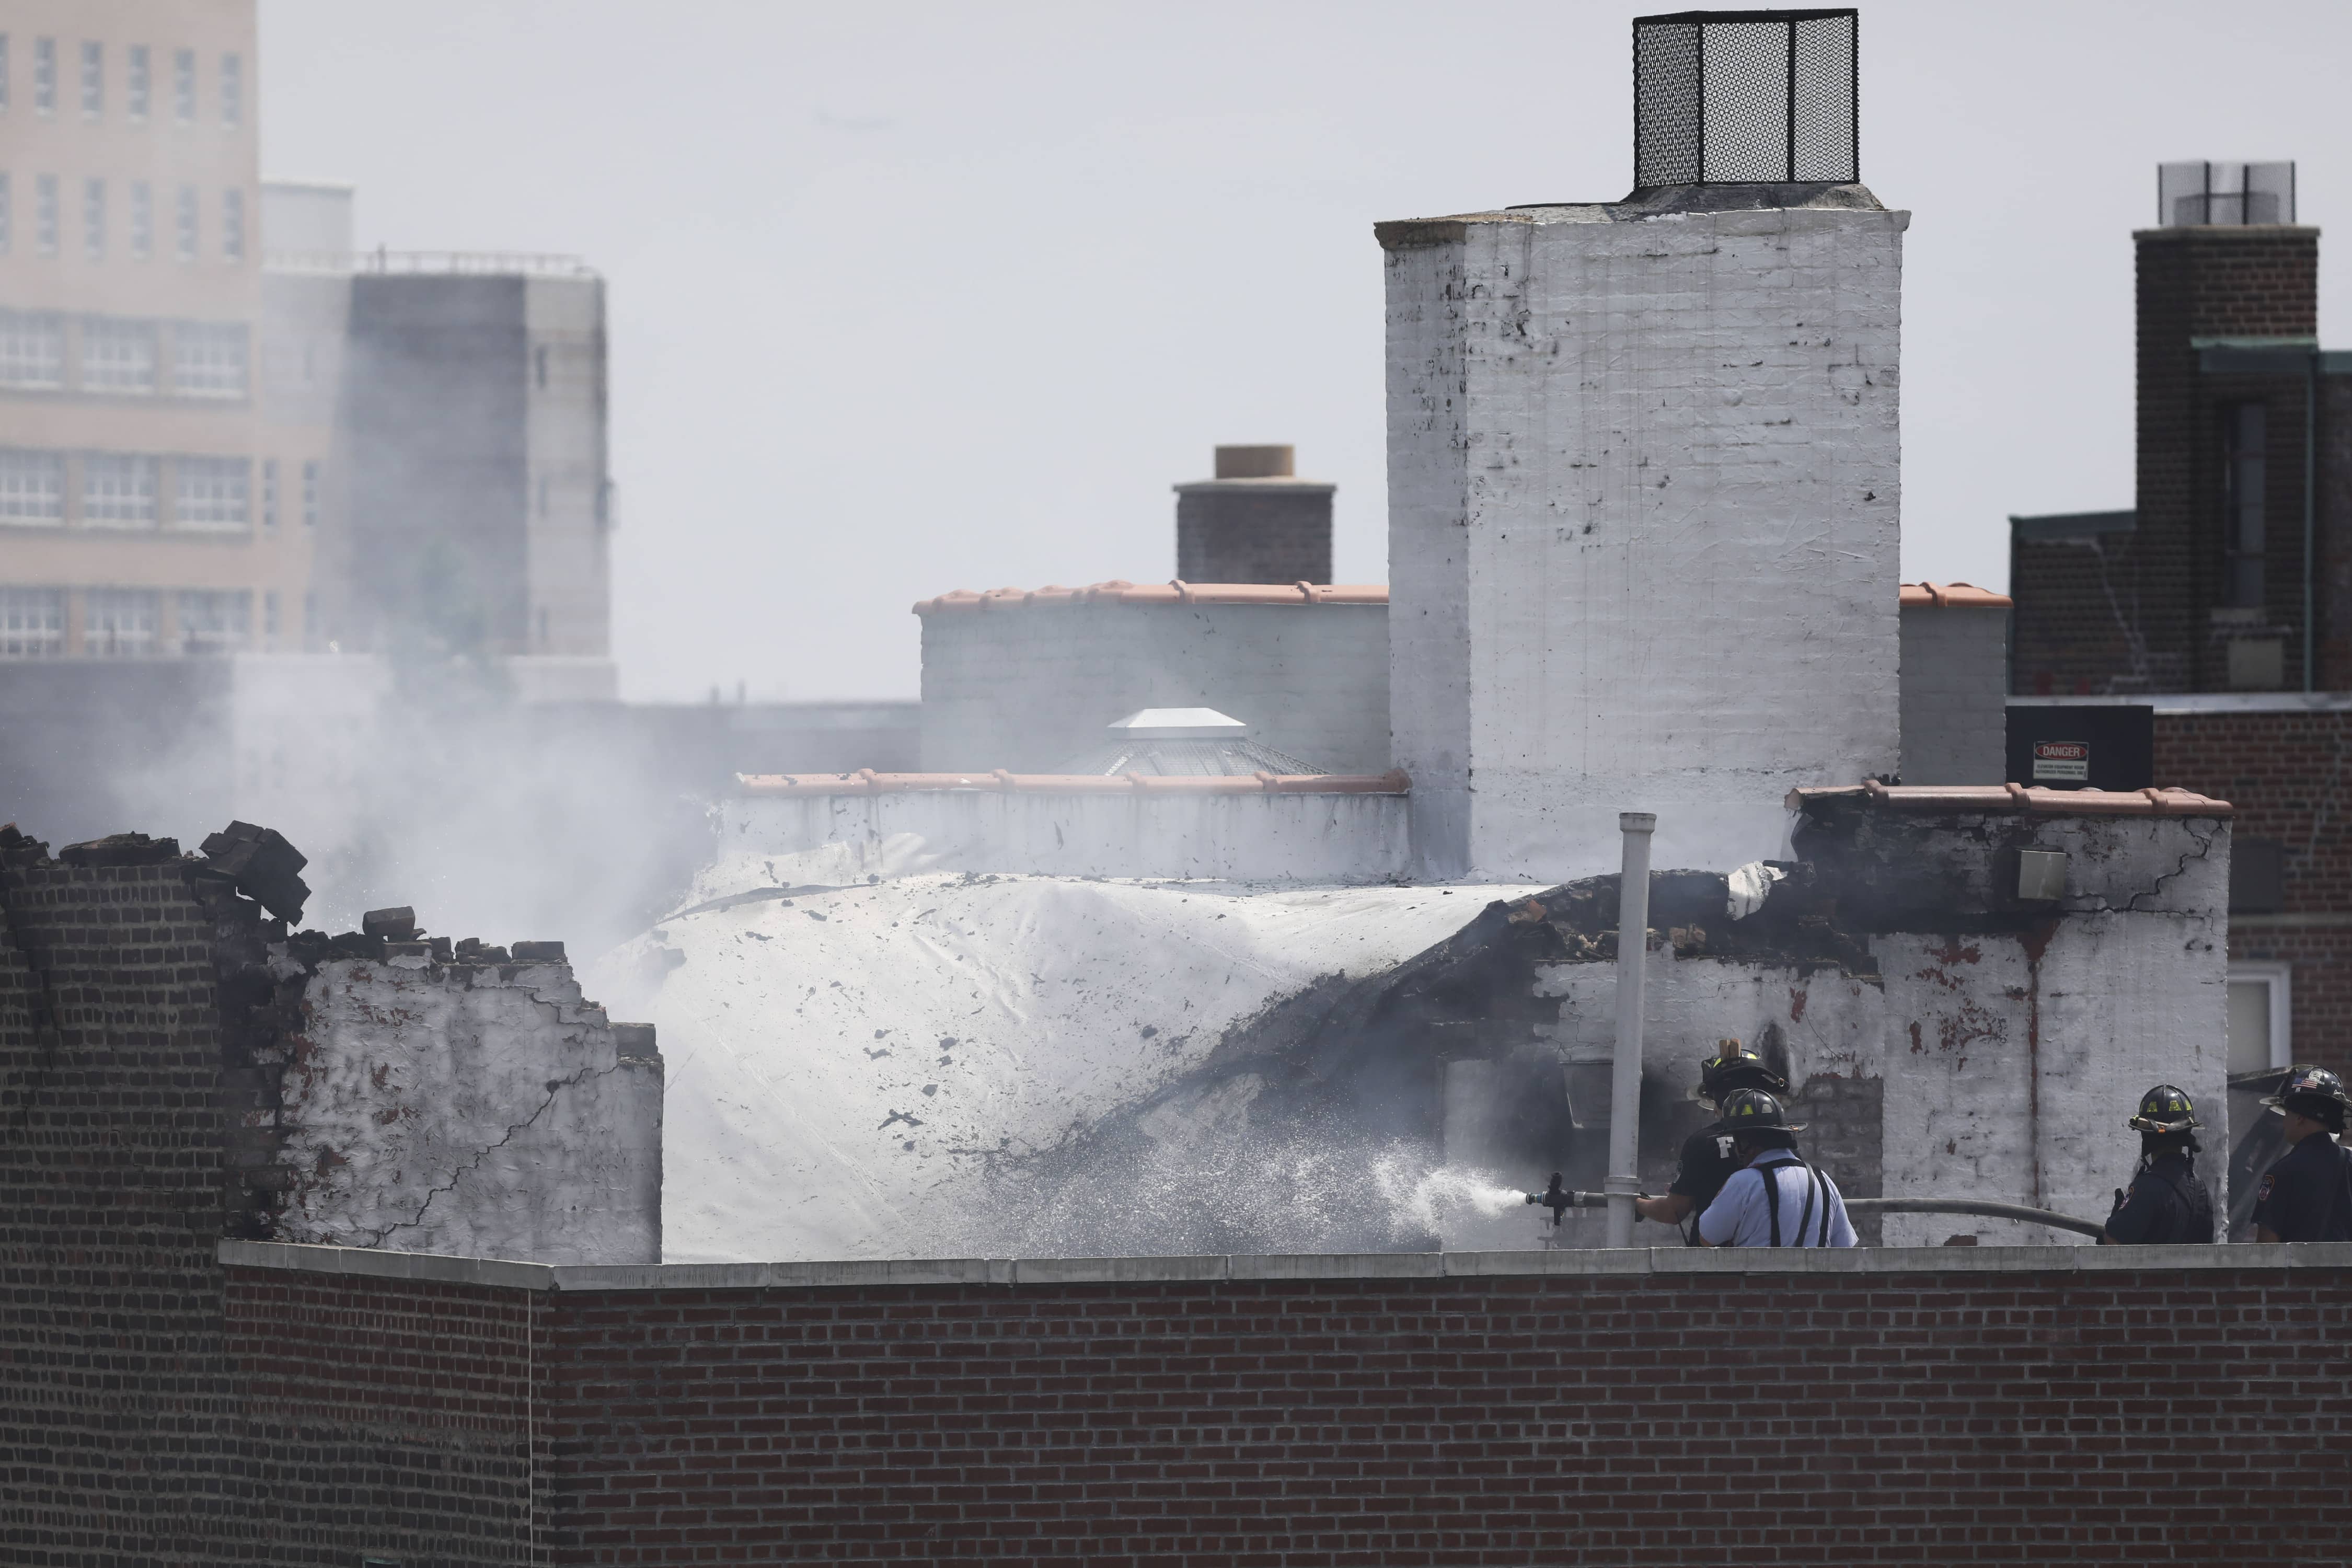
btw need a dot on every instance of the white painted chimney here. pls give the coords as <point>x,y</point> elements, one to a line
<point>1644,472</point>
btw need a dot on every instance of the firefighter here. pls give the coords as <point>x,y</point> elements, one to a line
<point>1774,1199</point>
<point>1707,1161</point>
<point>2167,1203</point>
<point>2307,1194</point>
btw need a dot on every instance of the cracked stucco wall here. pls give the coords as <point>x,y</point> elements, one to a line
<point>483,1110</point>
<point>2010,1059</point>
<point>1642,527</point>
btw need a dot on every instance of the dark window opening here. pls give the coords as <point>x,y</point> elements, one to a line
<point>539,367</point>
<point>2257,875</point>
<point>2244,470</point>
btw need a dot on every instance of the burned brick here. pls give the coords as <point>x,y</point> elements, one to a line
<point>634,1041</point>
<point>263,865</point>
<point>395,924</point>
<point>121,849</point>
<point>538,953</point>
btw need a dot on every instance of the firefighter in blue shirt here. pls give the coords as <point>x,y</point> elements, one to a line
<point>1774,1199</point>
<point>1707,1161</point>
<point>2167,1203</point>
<point>2307,1194</point>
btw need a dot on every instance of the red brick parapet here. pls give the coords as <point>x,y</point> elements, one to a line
<point>866,781</point>
<point>2018,798</point>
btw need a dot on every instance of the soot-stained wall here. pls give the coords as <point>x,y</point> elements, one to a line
<point>1950,1040</point>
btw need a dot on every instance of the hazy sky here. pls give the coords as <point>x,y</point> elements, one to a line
<point>919,296</point>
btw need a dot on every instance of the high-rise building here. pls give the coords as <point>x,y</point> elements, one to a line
<point>143,509</point>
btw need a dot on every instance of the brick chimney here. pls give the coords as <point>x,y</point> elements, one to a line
<point>1256,521</point>
<point>2228,313</point>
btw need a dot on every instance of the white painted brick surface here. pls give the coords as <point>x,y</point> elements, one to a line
<point>485,1112</point>
<point>1026,689</point>
<point>2010,1067</point>
<point>1955,694</point>
<point>1644,487</point>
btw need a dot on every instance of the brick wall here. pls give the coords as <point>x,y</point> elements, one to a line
<point>389,1420</point>
<point>1254,531</point>
<point>2289,774</point>
<point>117,1426</point>
<point>1643,533</point>
<point>2199,283</point>
<point>2134,611</point>
<point>1905,1408</point>
<point>2076,628</point>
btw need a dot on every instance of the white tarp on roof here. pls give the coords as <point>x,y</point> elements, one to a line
<point>844,1063</point>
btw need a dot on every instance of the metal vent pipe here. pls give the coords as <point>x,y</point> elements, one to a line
<point>1624,1181</point>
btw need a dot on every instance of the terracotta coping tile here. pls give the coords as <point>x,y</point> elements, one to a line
<point>866,781</point>
<point>1118,590</point>
<point>1953,596</point>
<point>2018,798</point>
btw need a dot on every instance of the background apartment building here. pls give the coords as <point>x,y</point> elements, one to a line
<point>144,508</point>
<point>2217,613</point>
<point>224,432</point>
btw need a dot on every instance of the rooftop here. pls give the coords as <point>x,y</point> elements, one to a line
<point>1119,591</point>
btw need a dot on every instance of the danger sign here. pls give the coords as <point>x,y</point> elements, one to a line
<point>2068,761</point>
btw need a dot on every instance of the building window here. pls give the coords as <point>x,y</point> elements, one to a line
<point>232,90</point>
<point>8,210</point>
<point>93,219</point>
<point>135,87</point>
<point>213,493</point>
<point>44,214</point>
<point>209,358</point>
<point>233,225</point>
<point>311,494</point>
<point>2262,1021</point>
<point>539,367</point>
<point>33,489</point>
<point>269,615</point>
<point>3,73</point>
<point>32,623</point>
<point>142,220</point>
<point>214,621</point>
<point>117,355</point>
<point>93,79</point>
<point>309,618</point>
<point>184,85</point>
<point>2244,471</point>
<point>269,495</point>
<point>184,246</point>
<point>45,76</point>
<point>118,491</point>
<point>118,623</point>
<point>32,349</point>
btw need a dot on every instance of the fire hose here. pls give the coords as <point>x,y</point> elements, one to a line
<point>1559,1199</point>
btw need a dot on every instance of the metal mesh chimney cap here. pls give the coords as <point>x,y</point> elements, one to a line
<point>2200,195</point>
<point>1745,98</point>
